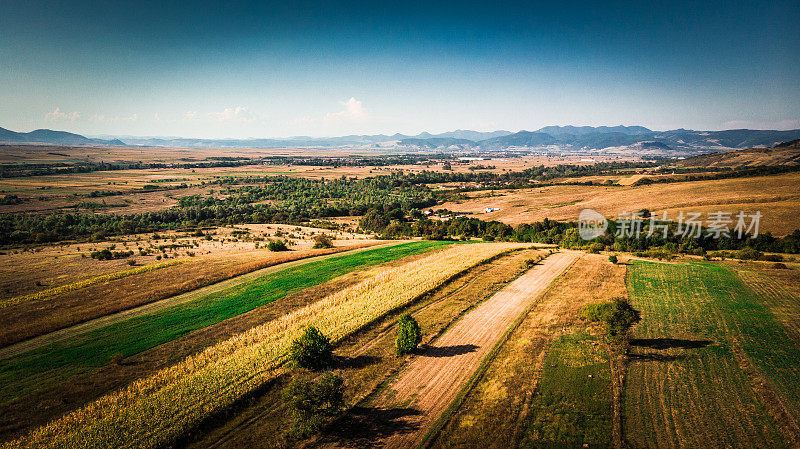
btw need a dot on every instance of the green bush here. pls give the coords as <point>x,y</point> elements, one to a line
<point>618,316</point>
<point>322,241</point>
<point>409,335</point>
<point>277,245</point>
<point>310,402</point>
<point>613,259</point>
<point>312,350</point>
<point>596,247</point>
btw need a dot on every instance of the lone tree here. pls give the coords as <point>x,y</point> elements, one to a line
<point>312,350</point>
<point>409,335</point>
<point>311,402</point>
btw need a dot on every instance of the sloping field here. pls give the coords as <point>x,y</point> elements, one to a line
<point>711,366</point>
<point>504,408</point>
<point>37,316</point>
<point>153,411</point>
<point>775,196</point>
<point>133,334</point>
<point>431,381</point>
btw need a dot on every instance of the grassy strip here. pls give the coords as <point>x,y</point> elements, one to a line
<point>154,411</point>
<point>95,348</point>
<point>88,282</point>
<point>574,402</point>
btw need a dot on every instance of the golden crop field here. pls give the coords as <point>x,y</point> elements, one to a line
<point>152,411</point>
<point>775,196</point>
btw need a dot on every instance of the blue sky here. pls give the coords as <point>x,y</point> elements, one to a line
<point>273,69</point>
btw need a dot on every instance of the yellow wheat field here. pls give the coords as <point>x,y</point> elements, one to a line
<point>153,411</point>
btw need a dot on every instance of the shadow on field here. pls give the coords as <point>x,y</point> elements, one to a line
<point>669,343</point>
<point>366,426</point>
<point>357,362</point>
<point>447,351</point>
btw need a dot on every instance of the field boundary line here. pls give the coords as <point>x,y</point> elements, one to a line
<point>68,332</point>
<point>480,371</point>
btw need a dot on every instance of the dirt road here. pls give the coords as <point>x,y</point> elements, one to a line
<point>432,379</point>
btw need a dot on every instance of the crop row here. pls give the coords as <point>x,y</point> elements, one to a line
<point>154,411</point>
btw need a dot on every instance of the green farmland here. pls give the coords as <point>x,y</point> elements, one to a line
<point>698,358</point>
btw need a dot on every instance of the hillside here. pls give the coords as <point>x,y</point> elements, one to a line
<point>52,137</point>
<point>787,153</point>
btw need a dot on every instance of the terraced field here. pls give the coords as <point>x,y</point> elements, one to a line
<point>711,365</point>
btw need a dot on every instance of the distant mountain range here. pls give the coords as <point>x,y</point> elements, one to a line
<point>620,140</point>
<point>52,137</point>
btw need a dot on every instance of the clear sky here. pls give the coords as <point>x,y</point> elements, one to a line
<point>274,69</point>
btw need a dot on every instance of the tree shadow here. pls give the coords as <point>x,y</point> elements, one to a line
<point>447,351</point>
<point>366,426</point>
<point>669,343</point>
<point>357,362</point>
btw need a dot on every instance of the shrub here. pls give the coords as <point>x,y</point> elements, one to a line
<point>277,245</point>
<point>779,265</point>
<point>772,258</point>
<point>310,402</point>
<point>596,247</point>
<point>409,335</point>
<point>312,350</point>
<point>749,254</point>
<point>613,258</point>
<point>618,316</point>
<point>131,262</point>
<point>322,241</point>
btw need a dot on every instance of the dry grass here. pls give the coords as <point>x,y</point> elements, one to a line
<point>775,196</point>
<point>153,411</point>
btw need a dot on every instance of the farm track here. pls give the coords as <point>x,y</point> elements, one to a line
<point>433,379</point>
<point>72,331</point>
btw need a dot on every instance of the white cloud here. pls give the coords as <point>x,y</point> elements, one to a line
<point>751,124</point>
<point>58,116</point>
<point>239,113</point>
<point>101,118</point>
<point>353,111</point>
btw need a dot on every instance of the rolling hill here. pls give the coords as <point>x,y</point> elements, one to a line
<point>52,137</point>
